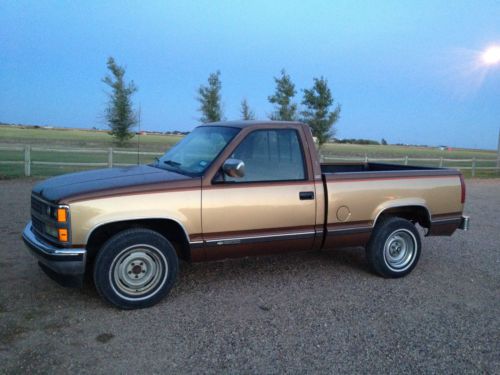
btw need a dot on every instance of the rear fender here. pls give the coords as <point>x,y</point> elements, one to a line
<point>400,203</point>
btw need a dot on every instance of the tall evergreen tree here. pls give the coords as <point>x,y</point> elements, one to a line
<point>318,100</point>
<point>119,113</point>
<point>210,99</point>
<point>285,109</point>
<point>246,111</point>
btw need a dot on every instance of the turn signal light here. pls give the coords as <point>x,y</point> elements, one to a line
<point>62,234</point>
<point>62,215</point>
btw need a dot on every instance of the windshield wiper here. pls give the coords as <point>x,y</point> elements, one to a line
<point>175,167</point>
<point>172,163</point>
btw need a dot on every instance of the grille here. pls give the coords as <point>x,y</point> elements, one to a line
<point>42,215</point>
<point>37,225</point>
<point>39,215</point>
<point>38,206</point>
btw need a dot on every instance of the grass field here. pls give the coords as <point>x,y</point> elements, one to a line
<point>100,140</point>
<point>79,138</point>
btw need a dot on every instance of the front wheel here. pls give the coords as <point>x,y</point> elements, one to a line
<point>394,248</point>
<point>135,268</point>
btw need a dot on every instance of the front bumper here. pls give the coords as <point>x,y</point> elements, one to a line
<point>464,223</point>
<point>67,262</point>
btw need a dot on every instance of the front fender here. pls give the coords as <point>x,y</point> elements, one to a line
<point>183,207</point>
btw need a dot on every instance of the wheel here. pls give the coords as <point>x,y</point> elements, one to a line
<point>394,248</point>
<point>135,268</point>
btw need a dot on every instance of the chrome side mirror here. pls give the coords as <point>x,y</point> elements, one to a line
<point>234,168</point>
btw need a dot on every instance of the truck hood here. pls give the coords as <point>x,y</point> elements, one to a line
<point>111,181</point>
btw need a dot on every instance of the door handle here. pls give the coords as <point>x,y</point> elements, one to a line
<point>306,195</point>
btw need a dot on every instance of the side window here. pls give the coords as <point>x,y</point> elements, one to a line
<point>270,155</point>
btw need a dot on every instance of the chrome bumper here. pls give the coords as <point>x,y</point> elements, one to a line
<point>61,261</point>
<point>464,223</point>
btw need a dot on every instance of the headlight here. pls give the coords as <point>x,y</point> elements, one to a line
<point>51,231</point>
<point>59,214</point>
<point>60,233</point>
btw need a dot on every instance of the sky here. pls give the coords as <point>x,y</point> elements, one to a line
<point>406,71</point>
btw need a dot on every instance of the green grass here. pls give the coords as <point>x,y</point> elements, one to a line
<point>79,138</point>
<point>401,151</point>
<point>88,139</point>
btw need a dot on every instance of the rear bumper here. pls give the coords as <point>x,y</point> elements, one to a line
<point>67,262</point>
<point>464,223</point>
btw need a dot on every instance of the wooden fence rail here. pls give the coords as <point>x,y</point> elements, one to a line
<point>28,161</point>
<point>440,161</point>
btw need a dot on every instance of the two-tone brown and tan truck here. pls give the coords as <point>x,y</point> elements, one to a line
<point>233,189</point>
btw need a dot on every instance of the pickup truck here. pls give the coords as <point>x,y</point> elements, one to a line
<point>233,189</point>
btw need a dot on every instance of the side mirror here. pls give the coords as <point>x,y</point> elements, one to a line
<point>234,168</point>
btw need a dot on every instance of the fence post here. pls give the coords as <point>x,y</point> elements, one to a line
<point>473,173</point>
<point>498,153</point>
<point>441,162</point>
<point>27,160</point>
<point>110,157</point>
<point>406,160</point>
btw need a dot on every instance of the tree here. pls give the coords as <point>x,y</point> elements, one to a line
<point>285,109</point>
<point>383,142</point>
<point>318,101</point>
<point>210,99</point>
<point>119,113</point>
<point>246,111</point>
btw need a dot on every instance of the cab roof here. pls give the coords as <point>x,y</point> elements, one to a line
<point>247,123</point>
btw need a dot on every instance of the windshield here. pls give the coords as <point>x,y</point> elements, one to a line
<point>195,153</point>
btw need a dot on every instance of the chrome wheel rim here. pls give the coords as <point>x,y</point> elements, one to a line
<point>400,250</point>
<point>138,271</point>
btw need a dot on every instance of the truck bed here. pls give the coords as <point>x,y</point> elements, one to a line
<point>328,168</point>
<point>357,193</point>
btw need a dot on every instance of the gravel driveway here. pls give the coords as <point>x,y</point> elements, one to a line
<point>309,312</point>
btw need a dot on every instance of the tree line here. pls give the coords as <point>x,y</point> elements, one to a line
<point>319,108</point>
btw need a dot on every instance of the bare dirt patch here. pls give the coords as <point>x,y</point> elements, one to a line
<point>309,312</point>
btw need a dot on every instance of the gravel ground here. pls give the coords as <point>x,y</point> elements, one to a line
<point>308,312</point>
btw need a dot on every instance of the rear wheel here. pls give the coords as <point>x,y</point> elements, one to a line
<point>135,268</point>
<point>394,248</point>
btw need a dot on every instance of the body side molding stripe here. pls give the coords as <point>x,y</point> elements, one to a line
<point>343,231</point>
<point>253,239</point>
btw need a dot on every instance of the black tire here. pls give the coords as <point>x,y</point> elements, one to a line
<point>394,247</point>
<point>135,268</point>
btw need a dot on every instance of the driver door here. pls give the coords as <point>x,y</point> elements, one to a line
<point>272,208</point>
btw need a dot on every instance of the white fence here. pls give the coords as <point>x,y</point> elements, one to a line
<point>474,164</point>
<point>28,161</point>
<point>440,162</point>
